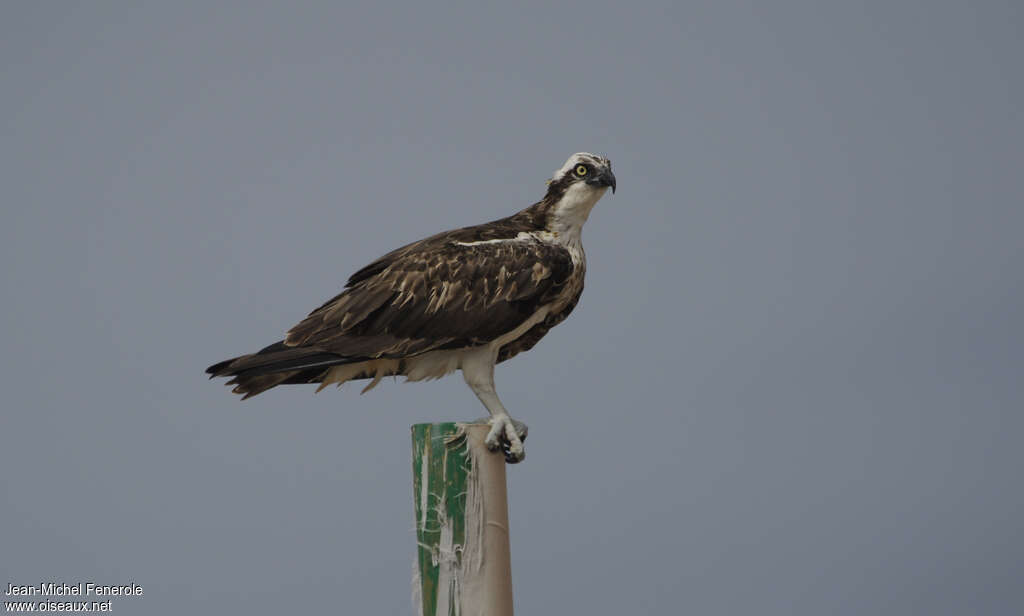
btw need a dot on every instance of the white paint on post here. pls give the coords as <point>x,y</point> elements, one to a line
<point>486,571</point>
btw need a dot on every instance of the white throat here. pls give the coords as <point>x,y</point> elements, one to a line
<point>572,210</point>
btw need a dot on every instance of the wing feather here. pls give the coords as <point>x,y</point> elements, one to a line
<point>438,293</point>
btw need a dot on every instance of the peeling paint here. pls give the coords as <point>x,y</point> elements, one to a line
<point>450,524</point>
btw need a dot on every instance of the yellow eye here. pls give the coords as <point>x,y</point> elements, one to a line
<point>581,170</point>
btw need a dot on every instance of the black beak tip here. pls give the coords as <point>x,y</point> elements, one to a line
<point>605,179</point>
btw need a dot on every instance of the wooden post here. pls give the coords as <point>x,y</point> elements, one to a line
<point>463,562</point>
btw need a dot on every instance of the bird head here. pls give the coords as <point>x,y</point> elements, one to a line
<point>574,190</point>
<point>586,169</point>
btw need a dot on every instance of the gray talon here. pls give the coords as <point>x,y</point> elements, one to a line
<point>521,429</point>
<point>511,459</point>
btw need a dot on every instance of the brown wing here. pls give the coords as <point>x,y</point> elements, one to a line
<point>439,293</point>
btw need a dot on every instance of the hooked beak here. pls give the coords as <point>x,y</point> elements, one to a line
<point>606,178</point>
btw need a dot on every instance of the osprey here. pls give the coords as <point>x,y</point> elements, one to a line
<point>464,299</point>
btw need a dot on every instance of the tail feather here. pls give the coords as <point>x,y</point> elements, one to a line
<point>249,386</point>
<point>275,365</point>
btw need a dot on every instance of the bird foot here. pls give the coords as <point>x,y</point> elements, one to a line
<point>506,435</point>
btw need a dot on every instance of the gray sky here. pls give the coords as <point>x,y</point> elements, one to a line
<point>792,386</point>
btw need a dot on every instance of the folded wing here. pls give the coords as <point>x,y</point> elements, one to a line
<point>446,295</point>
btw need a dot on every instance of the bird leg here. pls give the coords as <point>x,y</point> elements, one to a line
<point>506,433</point>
